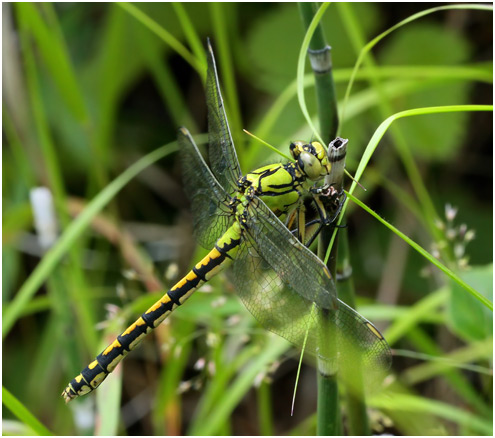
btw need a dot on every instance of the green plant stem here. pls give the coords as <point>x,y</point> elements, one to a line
<point>300,67</point>
<point>358,422</point>
<point>265,413</point>
<point>328,402</point>
<point>192,36</point>
<point>321,62</point>
<point>328,408</point>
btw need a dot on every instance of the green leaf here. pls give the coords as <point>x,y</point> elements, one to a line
<point>467,317</point>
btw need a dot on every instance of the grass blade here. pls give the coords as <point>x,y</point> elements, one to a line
<point>367,48</point>
<point>72,232</point>
<point>168,38</point>
<point>300,67</point>
<point>426,254</point>
<point>21,412</point>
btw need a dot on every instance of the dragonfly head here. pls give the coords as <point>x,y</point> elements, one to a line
<point>311,158</point>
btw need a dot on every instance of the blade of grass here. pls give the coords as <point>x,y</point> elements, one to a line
<point>22,165</point>
<point>218,387</point>
<point>192,36</point>
<point>22,413</point>
<point>399,139</point>
<point>108,400</point>
<point>12,311</point>
<point>415,314</point>
<point>265,410</point>
<point>165,80</point>
<point>415,404</point>
<point>367,48</point>
<point>222,44</point>
<point>269,146</point>
<point>56,57</point>
<point>425,254</point>
<point>321,62</point>
<point>366,98</point>
<point>460,358</point>
<point>239,387</point>
<point>55,177</point>
<point>166,412</point>
<point>168,38</point>
<point>459,381</point>
<point>380,132</point>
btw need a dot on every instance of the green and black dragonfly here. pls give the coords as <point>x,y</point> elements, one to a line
<point>282,283</point>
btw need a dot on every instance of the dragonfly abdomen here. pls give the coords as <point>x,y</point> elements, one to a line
<point>94,374</point>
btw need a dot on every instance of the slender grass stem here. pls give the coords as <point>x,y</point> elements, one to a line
<point>70,235</point>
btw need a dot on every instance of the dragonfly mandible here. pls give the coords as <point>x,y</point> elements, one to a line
<point>281,282</point>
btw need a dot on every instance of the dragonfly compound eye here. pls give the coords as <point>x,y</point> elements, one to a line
<point>320,153</point>
<point>310,165</point>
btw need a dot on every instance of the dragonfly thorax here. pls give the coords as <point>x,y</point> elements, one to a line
<point>311,159</point>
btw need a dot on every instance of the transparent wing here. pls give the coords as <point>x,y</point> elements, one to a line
<point>358,336</point>
<point>221,152</point>
<point>341,337</point>
<point>296,265</point>
<point>211,215</point>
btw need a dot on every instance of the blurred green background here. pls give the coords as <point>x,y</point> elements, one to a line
<point>88,90</point>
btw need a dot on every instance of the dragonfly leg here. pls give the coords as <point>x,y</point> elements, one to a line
<point>325,198</point>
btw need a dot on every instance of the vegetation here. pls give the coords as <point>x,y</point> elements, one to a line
<point>93,97</point>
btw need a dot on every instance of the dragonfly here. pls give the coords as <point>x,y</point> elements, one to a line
<point>241,219</point>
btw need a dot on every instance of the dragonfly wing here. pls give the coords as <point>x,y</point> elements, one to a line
<point>359,336</point>
<point>221,152</point>
<point>276,306</point>
<point>296,265</point>
<point>343,340</point>
<point>211,215</point>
